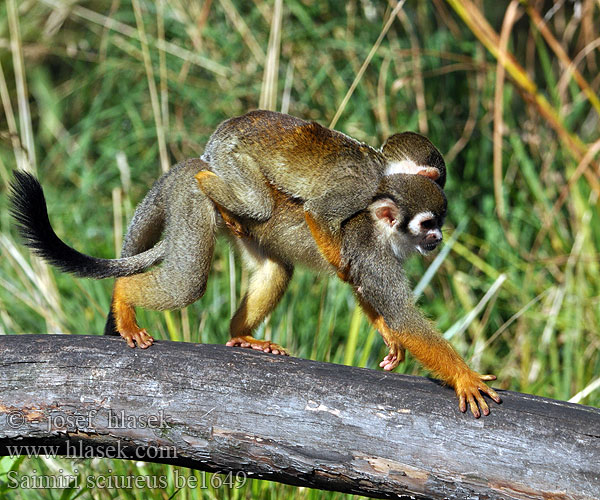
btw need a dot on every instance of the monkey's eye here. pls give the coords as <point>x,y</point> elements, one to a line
<point>428,224</point>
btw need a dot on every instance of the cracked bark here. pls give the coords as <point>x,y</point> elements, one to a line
<point>299,422</point>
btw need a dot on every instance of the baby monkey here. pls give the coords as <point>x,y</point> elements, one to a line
<point>404,215</point>
<point>334,175</point>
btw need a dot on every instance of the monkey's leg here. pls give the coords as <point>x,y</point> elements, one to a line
<point>189,237</point>
<point>143,233</point>
<point>123,316</point>
<point>267,285</point>
<point>246,195</point>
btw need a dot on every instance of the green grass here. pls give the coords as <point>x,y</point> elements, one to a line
<point>81,113</point>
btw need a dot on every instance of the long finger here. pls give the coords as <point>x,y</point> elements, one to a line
<point>485,409</point>
<point>473,406</point>
<point>491,393</point>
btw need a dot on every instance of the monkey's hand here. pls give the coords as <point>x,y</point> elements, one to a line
<point>469,387</point>
<point>395,356</point>
<point>259,345</point>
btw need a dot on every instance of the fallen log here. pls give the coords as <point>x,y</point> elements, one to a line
<point>285,419</point>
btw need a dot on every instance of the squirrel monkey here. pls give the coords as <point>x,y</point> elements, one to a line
<point>405,214</point>
<point>334,175</point>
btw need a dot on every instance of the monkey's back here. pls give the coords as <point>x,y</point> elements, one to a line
<point>301,158</point>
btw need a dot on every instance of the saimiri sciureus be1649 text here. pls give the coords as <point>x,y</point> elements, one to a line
<point>168,249</point>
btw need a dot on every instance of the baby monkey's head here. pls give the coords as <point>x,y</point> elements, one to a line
<point>412,153</point>
<point>409,210</point>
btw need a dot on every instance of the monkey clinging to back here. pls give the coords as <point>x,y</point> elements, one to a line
<point>334,175</point>
<point>168,249</point>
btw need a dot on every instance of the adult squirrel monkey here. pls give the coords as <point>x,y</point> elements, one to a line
<point>176,224</point>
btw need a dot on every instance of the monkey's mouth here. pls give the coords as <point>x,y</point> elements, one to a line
<point>425,248</point>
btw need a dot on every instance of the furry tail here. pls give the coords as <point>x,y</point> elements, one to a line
<point>28,207</point>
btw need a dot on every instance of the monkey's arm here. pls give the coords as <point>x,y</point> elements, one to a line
<point>329,245</point>
<point>385,296</point>
<point>435,354</point>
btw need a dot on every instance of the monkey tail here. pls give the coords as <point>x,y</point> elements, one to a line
<point>28,208</point>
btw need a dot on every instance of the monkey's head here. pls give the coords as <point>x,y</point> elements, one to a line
<point>411,153</point>
<point>409,210</point>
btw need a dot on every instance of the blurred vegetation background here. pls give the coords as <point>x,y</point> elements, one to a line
<point>99,97</point>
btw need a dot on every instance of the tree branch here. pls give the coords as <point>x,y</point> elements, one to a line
<point>300,422</point>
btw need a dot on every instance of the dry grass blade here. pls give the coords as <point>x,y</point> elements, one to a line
<point>510,18</point>
<point>563,57</point>
<point>586,51</point>
<point>162,58</point>
<point>287,88</point>
<point>365,64</point>
<point>382,107</point>
<point>417,70</point>
<point>13,132</point>
<point>244,31</point>
<point>268,93</point>
<point>585,392</point>
<point>160,131</point>
<point>21,83</point>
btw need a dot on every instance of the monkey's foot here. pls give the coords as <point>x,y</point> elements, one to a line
<point>393,359</point>
<point>233,225</point>
<point>139,337</point>
<point>469,387</point>
<point>236,228</point>
<point>203,174</point>
<point>259,345</point>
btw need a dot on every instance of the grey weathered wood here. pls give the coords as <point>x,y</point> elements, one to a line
<point>291,420</point>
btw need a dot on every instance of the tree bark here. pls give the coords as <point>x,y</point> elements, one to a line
<point>295,421</point>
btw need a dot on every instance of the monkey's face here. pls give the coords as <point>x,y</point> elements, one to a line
<point>426,229</point>
<point>409,213</point>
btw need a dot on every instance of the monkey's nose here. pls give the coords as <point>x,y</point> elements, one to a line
<point>433,237</point>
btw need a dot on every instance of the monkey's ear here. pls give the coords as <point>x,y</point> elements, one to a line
<point>430,172</point>
<point>385,211</point>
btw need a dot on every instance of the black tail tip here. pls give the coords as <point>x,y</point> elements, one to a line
<point>24,183</point>
<point>24,188</point>
<point>27,205</point>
